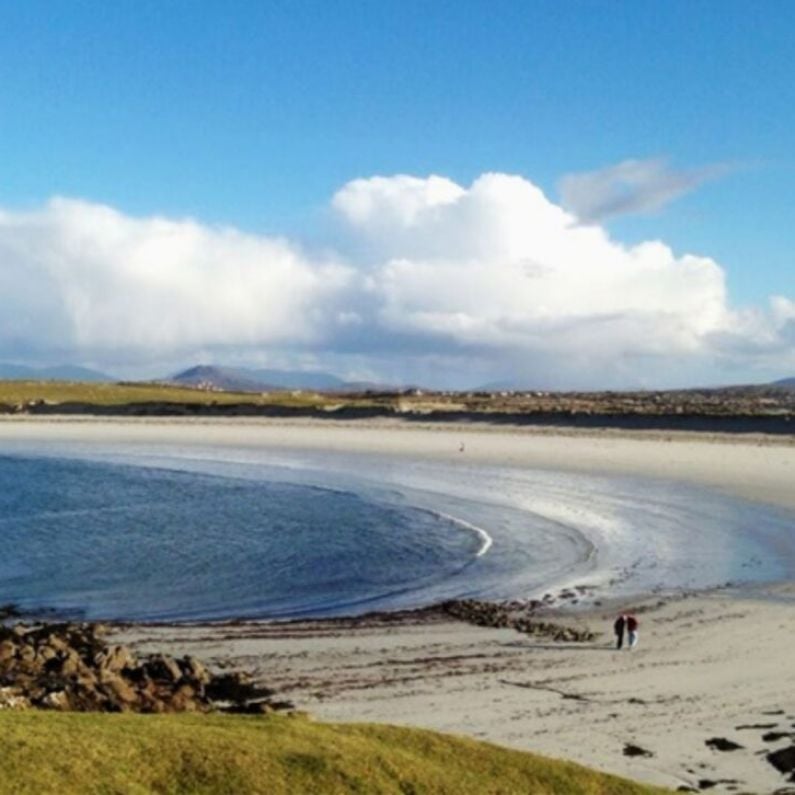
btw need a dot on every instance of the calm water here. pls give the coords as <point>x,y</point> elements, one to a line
<point>218,533</point>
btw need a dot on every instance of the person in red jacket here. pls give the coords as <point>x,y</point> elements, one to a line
<point>632,631</point>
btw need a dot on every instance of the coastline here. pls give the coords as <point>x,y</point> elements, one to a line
<point>754,467</point>
<point>708,663</point>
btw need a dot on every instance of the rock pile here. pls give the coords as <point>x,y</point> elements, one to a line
<point>495,614</point>
<point>69,667</point>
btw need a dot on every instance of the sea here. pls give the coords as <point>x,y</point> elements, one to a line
<point>162,533</point>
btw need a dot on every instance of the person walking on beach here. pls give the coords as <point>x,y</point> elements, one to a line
<point>618,628</point>
<point>632,631</point>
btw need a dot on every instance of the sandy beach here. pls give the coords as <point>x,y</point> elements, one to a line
<point>709,667</point>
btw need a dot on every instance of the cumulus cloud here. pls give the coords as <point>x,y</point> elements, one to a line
<point>492,279</point>
<point>630,187</point>
<point>499,265</point>
<point>86,277</point>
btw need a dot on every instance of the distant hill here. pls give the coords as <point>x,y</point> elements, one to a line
<point>789,383</point>
<point>241,379</point>
<point>297,379</point>
<point>63,372</point>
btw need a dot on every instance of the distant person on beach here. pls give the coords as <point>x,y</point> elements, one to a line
<point>618,628</point>
<point>632,631</point>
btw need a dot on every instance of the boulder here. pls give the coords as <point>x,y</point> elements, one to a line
<point>69,667</point>
<point>162,668</point>
<point>117,658</point>
<point>57,699</point>
<point>13,698</point>
<point>783,759</point>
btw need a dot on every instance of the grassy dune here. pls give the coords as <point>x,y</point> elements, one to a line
<point>98,753</point>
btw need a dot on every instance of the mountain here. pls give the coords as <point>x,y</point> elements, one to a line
<point>297,379</point>
<point>63,372</point>
<point>788,383</point>
<point>241,379</point>
<point>206,376</point>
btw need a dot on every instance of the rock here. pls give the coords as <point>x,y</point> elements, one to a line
<point>118,689</point>
<point>8,650</point>
<point>58,699</point>
<point>162,668</point>
<point>234,687</point>
<point>193,669</point>
<point>783,759</point>
<point>722,744</point>
<point>67,666</point>
<point>116,659</point>
<point>509,614</point>
<point>772,737</point>
<point>636,750</point>
<point>13,698</point>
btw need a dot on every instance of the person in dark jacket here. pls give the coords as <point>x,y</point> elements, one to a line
<point>618,628</point>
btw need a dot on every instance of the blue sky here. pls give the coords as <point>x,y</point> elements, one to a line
<point>254,114</point>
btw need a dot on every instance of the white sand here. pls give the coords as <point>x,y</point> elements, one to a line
<point>754,467</point>
<point>705,666</point>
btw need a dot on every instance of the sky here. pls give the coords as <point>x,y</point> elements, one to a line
<point>558,195</point>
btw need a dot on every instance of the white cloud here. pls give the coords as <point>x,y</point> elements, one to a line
<point>84,276</point>
<point>491,280</point>
<point>502,266</point>
<point>630,187</point>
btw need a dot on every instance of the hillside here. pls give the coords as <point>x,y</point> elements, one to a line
<point>242,379</point>
<point>83,753</point>
<point>64,372</point>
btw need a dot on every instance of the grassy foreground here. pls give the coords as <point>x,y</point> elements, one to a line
<point>198,754</point>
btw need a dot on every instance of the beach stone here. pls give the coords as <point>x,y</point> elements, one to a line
<point>13,698</point>
<point>722,744</point>
<point>116,659</point>
<point>8,650</point>
<point>635,750</point>
<point>194,669</point>
<point>68,667</point>
<point>163,669</point>
<point>783,759</point>
<point>118,689</point>
<point>58,699</point>
<point>772,737</point>
<point>514,616</point>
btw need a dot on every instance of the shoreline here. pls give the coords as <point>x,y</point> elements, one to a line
<point>758,468</point>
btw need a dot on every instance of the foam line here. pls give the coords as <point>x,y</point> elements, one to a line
<point>486,539</point>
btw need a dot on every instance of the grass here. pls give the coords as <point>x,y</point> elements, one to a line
<point>83,753</point>
<point>103,394</point>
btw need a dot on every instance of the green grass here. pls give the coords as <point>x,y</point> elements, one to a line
<point>14,392</point>
<point>99,753</point>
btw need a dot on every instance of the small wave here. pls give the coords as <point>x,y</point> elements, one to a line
<point>485,538</point>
